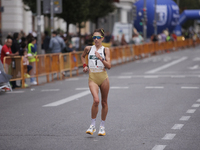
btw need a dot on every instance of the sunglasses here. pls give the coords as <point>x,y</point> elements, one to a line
<point>98,37</point>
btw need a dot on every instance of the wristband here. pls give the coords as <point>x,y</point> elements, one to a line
<point>84,65</point>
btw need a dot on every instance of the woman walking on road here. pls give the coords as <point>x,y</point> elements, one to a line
<point>98,60</point>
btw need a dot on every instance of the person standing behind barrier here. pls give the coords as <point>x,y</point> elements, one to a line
<point>46,42</point>
<point>56,44</point>
<point>6,51</point>
<point>99,59</point>
<point>32,52</point>
<point>15,48</point>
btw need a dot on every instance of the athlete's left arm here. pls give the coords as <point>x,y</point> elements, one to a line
<point>107,62</point>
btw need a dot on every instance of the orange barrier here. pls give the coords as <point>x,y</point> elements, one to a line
<point>50,64</point>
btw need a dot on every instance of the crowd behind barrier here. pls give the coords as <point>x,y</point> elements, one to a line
<point>58,63</point>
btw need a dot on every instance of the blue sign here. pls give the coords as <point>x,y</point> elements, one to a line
<point>167,13</point>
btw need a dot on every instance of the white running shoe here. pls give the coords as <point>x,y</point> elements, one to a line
<point>34,83</point>
<point>102,131</point>
<point>91,130</point>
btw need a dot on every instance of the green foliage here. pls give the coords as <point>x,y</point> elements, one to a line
<point>32,5</point>
<point>188,4</point>
<point>100,8</point>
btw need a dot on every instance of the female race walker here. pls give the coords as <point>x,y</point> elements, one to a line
<point>98,59</point>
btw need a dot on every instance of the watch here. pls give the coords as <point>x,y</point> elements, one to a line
<point>102,59</point>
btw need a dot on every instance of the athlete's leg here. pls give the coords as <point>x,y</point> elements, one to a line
<point>104,96</point>
<point>94,88</point>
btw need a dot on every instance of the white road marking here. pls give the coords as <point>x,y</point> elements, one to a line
<point>198,100</point>
<point>195,105</point>
<point>14,92</point>
<point>72,79</point>
<point>184,118</point>
<point>119,87</point>
<point>189,87</point>
<point>169,136</point>
<point>68,99</point>
<point>159,147</point>
<point>50,90</point>
<point>150,76</point>
<point>124,77</point>
<point>154,87</point>
<point>196,59</point>
<point>191,111</point>
<point>112,87</point>
<point>177,126</point>
<point>178,76</point>
<point>194,67</point>
<point>167,65</point>
<point>86,88</point>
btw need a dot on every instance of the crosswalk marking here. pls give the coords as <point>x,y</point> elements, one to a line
<point>191,111</point>
<point>169,136</point>
<point>177,126</point>
<point>195,105</point>
<point>159,147</point>
<point>184,118</point>
<point>154,87</point>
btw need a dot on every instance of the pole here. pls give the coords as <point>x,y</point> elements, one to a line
<point>155,18</point>
<point>52,16</point>
<point>39,27</point>
<point>178,3</point>
<point>145,20</point>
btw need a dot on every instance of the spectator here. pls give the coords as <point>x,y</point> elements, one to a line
<point>123,40</point>
<point>23,52</point>
<point>15,48</point>
<point>116,42</point>
<point>32,52</point>
<point>46,42</point>
<point>56,44</point>
<point>107,38</point>
<point>136,39</point>
<point>6,51</point>
<point>174,36</point>
<point>154,38</point>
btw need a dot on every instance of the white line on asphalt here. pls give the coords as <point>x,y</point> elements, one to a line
<point>154,87</point>
<point>150,76</point>
<point>169,136</point>
<point>189,87</point>
<point>195,105</point>
<point>198,100</point>
<point>112,87</point>
<point>177,126</point>
<point>85,88</point>
<point>167,65</point>
<point>124,77</point>
<point>194,67</point>
<point>191,111</point>
<point>72,79</point>
<point>178,76</point>
<point>50,90</point>
<point>68,99</point>
<point>115,87</point>
<point>159,147</point>
<point>14,92</point>
<point>184,118</point>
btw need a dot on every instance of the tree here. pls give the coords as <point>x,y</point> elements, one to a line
<point>188,4</point>
<point>100,8</point>
<point>74,12</point>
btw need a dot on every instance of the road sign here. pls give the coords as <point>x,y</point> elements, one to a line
<point>57,6</point>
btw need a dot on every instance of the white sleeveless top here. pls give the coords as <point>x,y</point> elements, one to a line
<point>95,63</point>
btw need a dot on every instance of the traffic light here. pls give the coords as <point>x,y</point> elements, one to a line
<point>141,21</point>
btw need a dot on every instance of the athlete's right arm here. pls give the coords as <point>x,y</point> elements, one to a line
<point>85,52</point>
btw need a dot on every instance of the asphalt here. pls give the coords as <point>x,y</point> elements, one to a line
<point>147,111</point>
